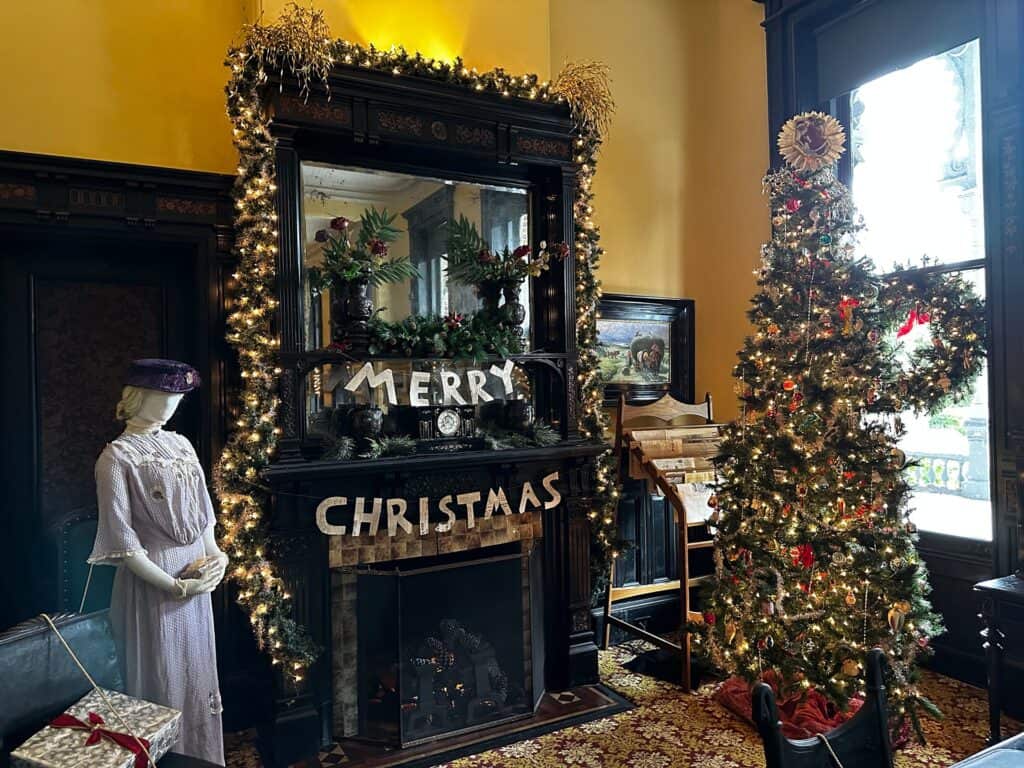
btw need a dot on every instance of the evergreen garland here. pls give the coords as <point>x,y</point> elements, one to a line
<point>299,45</point>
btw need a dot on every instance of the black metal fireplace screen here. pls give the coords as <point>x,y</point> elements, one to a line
<point>447,647</point>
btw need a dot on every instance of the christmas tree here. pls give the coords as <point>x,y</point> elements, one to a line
<point>815,557</point>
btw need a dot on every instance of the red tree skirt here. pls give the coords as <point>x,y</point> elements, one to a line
<point>802,716</point>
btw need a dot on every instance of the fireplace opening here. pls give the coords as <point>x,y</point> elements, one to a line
<point>448,644</point>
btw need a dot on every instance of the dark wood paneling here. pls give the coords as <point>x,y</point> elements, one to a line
<point>101,262</point>
<point>93,327</point>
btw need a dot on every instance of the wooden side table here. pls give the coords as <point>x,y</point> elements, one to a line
<point>1001,598</point>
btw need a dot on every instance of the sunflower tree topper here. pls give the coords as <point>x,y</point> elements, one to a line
<point>815,557</point>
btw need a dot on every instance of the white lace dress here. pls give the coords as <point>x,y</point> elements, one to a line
<point>153,499</point>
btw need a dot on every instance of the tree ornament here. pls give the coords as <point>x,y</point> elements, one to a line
<point>851,668</point>
<point>897,615</point>
<point>851,599</point>
<point>803,555</point>
<point>811,141</point>
<point>846,307</point>
<point>899,458</point>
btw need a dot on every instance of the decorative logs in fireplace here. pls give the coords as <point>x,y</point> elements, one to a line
<point>444,644</point>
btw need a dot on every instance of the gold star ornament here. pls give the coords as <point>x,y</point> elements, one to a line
<point>811,141</point>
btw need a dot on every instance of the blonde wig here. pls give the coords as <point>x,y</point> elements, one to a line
<point>130,403</point>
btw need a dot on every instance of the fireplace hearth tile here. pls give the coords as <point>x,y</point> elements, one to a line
<point>334,755</point>
<point>567,708</point>
<point>565,698</point>
<point>346,551</point>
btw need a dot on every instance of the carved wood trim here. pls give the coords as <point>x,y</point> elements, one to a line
<point>402,124</point>
<point>56,189</point>
<point>99,199</point>
<point>539,146</point>
<point>184,206</point>
<point>475,136</point>
<point>17,194</point>
<point>337,114</point>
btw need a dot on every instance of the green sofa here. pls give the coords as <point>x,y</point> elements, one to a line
<point>38,680</point>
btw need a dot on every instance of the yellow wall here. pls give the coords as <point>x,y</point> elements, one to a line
<point>142,81</point>
<point>139,81</point>
<point>725,218</point>
<point>486,33</point>
<point>679,178</point>
<point>678,187</point>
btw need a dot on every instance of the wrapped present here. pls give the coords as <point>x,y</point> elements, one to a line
<point>90,735</point>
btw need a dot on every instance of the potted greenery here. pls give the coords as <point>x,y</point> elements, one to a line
<point>495,273</point>
<point>350,267</point>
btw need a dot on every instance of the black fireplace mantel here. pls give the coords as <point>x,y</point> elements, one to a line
<point>414,126</point>
<point>303,719</point>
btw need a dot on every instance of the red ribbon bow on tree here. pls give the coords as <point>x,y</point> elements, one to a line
<point>138,747</point>
<point>846,307</point>
<point>803,555</point>
<point>916,317</point>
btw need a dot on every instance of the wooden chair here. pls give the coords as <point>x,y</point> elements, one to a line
<point>650,453</point>
<point>860,742</point>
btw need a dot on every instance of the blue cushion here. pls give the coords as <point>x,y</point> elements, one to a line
<point>996,758</point>
<point>39,680</point>
<point>1005,754</point>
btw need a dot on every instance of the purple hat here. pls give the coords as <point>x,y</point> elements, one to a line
<point>164,375</point>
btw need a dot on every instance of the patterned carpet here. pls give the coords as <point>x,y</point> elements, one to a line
<point>671,730</point>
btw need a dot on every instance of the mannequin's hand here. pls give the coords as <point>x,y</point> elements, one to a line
<point>186,588</point>
<point>220,568</point>
<point>212,550</point>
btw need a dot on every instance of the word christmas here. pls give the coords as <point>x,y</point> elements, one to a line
<point>396,509</point>
<point>419,383</point>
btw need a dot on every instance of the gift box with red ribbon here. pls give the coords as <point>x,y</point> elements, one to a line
<point>91,735</point>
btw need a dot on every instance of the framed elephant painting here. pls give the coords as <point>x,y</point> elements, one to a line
<point>645,347</point>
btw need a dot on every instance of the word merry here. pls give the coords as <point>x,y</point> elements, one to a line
<point>419,382</point>
<point>394,511</point>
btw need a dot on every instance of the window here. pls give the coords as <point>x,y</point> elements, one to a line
<point>917,181</point>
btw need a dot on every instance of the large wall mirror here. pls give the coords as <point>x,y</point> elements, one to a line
<point>421,210</point>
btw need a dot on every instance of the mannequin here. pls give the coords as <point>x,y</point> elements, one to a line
<point>155,409</point>
<point>156,523</point>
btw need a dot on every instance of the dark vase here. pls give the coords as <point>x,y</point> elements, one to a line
<point>490,294</point>
<point>514,311</point>
<point>360,305</point>
<point>519,414</point>
<point>367,421</point>
<point>339,312</point>
<point>351,310</point>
